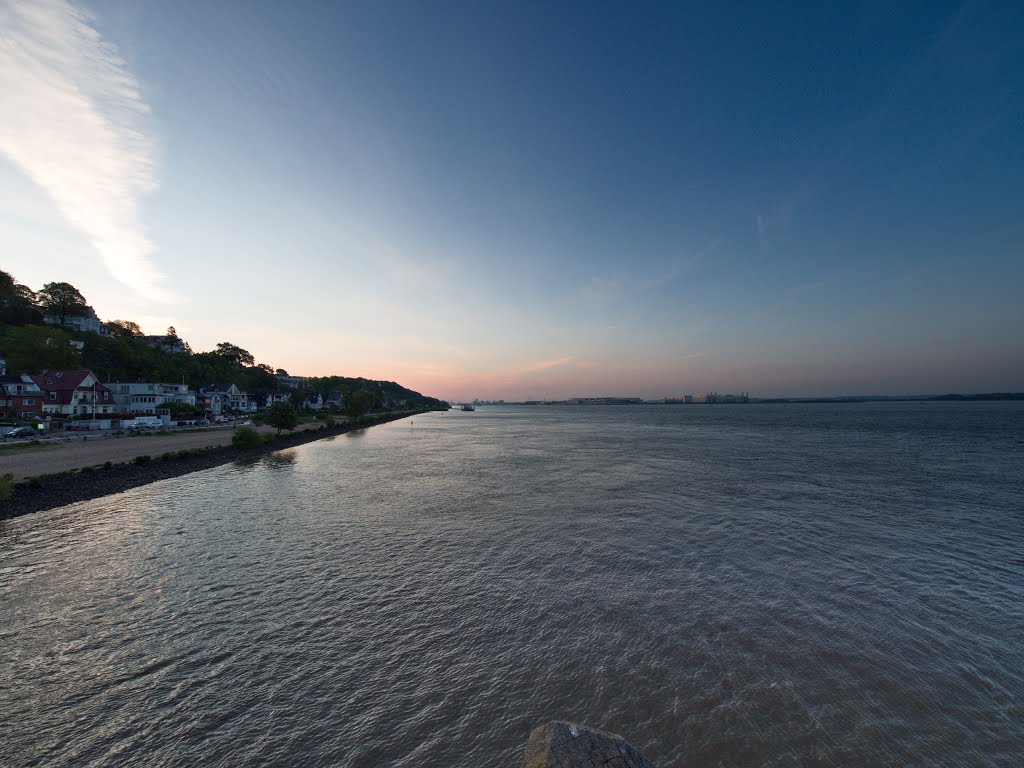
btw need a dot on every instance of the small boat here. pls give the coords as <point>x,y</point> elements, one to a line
<point>468,407</point>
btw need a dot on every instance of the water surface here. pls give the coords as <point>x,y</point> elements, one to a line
<point>771,585</point>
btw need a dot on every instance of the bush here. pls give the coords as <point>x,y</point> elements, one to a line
<point>246,437</point>
<point>6,486</point>
<point>330,421</point>
<point>35,482</point>
<point>142,460</point>
<point>88,469</point>
<point>167,456</point>
<point>108,464</point>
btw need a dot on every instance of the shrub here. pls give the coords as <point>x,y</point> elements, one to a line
<point>35,482</point>
<point>246,437</point>
<point>6,486</point>
<point>330,421</point>
<point>143,459</point>
<point>89,469</point>
<point>167,456</point>
<point>108,464</point>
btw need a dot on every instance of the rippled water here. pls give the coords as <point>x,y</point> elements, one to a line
<point>741,585</point>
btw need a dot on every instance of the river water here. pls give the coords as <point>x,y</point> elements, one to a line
<point>734,585</point>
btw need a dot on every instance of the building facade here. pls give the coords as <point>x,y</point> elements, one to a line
<point>20,397</point>
<point>74,393</point>
<point>145,397</point>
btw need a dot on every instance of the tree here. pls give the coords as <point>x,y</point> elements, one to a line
<point>281,372</point>
<point>33,348</point>
<point>180,410</point>
<point>359,403</point>
<point>171,331</point>
<point>265,367</point>
<point>124,328</point>
<point>17,302</point>
<point>62,300</point>
<point>234,353</point>
<point>281,415</point>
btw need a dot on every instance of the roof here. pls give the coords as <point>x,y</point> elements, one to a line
<point>66,382</point>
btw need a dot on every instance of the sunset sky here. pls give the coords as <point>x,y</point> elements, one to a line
<point>506,200</point>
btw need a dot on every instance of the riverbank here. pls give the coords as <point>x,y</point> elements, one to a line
<point>92,480</point>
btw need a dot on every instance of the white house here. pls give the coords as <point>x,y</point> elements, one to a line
<point>145,397</point>
<point>231,397</point>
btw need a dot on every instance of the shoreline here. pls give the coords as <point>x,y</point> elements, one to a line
<point>64,488</point>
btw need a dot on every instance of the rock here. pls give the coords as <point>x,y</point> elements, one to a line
<point>567,745</point>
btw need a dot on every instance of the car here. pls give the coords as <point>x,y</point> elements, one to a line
<point>21,432</point>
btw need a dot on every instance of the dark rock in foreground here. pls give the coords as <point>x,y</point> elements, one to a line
<point>566,745</point>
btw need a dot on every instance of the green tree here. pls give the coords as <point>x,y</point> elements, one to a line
<point>281,415</point>
<point>180,410</point>
<point>17,302</point>
<point>34,348</point>
<point>359,403</point>
<point>62,300</point>
<point>234,353</point>
<point>125,328</point>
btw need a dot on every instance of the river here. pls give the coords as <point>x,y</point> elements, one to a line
<point>738,585</point>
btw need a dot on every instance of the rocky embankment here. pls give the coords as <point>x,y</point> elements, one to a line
<point>50,491</point>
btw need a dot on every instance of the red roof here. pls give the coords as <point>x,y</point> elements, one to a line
<point>65,383</point>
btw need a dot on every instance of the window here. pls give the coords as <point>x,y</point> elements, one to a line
<point>28,401</point>
<point>53,397</point>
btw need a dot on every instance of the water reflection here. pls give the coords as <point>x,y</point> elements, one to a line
<point>276,460</point>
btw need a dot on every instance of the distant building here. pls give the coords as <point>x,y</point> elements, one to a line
<point>144,397</point>
<point>20,397</point>
<point>278,397</point>
<point>166,343</point>
<point>87,322</point>
<point>604,400</point>
<point>292,382</point>
<point>231,398</point>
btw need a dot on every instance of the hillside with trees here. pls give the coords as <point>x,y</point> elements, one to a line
<point>30,345</point>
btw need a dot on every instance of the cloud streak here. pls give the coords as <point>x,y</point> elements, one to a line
<point>71,114</point>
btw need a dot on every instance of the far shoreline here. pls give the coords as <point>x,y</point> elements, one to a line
<point>58,490</point>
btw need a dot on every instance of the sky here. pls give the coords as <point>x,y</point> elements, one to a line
<point>534,200</point>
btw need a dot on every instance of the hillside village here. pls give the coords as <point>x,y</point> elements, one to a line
<point>63,368</point>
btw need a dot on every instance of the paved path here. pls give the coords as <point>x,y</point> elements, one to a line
<point>96,450</point>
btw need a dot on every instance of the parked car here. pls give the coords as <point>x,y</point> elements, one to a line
<point>21,432</point>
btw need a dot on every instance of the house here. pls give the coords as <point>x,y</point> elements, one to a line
<point>20,397</point>
<point>87,322</point>
<point>278,397</point>
<point>211,403</point>
<point>292,382</point>
<point>231,397</point>
<point>314,401</point>
<point>145,397</point>
<point>334,401</point>
<point>167,343</point>
<point>74,393</point>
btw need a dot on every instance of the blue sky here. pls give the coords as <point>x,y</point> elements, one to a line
<point>534,199</point>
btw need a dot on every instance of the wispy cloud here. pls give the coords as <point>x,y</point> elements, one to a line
<point>543,365</point>
<point>71,114</point>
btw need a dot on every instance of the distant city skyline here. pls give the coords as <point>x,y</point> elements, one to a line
<point>569,200</point>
